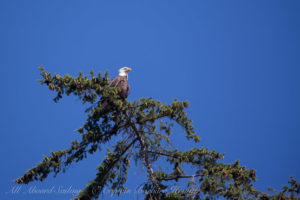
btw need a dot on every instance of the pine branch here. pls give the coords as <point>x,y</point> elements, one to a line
<point>96,186</point>
<point>61,159</point>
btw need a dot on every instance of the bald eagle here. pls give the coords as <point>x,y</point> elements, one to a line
<point>121,81</point>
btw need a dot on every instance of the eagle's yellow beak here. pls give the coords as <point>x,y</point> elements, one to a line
<point>128,69</point>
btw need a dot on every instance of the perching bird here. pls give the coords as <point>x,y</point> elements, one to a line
<point>121,82</point>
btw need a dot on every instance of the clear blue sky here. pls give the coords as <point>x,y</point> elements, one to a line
<point>237,62</point>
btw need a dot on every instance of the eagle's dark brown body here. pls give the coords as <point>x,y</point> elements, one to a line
<point>122,83</point>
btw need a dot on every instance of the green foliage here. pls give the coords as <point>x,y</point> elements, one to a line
<point>145,126</point>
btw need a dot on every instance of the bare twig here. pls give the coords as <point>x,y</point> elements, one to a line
<point>177,177</point>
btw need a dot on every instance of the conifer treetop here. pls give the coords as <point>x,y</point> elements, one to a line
<point>143,129</point>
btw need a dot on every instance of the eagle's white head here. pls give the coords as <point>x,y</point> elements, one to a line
<point>124,71</point>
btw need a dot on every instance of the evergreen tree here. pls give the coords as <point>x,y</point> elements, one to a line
<point>145,126</point>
